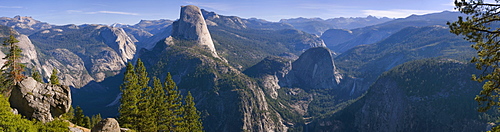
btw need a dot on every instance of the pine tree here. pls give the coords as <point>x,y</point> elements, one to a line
<point>53,77</point>
<point>173,103</point>
<point>12,67</point>
<point>130,91</point>
<point>145,100</point>
<point>190,116</point>
<point>86,122</point>
<point>79,117</point>
<point>159,104</point>
<point>36,75</point>
<point>94,120</point>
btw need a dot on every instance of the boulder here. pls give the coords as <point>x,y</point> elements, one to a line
<point>107,125</point>
<point>40,101</point>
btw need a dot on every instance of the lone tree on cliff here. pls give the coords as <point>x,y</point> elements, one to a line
<point>53,77</point>
<point>12,66</point>
<point>480,26</point>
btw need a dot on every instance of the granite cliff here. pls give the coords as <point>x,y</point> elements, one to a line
<point>192,26</point>
<point>92,52</point>
<point>315,69</point>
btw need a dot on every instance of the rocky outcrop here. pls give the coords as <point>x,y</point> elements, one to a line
<point>107,125</point>
<point>84,53</point>
<point>270,70</point>
<point>40,101</point>
<point>25,25</point>
<point>192,26</point>
<point>314,69</point>
<point>71,68</point>
<point>118,40</point>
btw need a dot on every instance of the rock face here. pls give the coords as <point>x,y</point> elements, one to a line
<point>39,101</point>
<point>71,68</point>
<point>271,70</point>
<point>107,125</point>
<point>315,68</point>
<point>25,25</point>
<point>83,53</point>
<point>192,26</point>
<point>118,40</point>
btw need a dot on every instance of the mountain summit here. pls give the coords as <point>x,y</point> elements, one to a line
<point>192,26</point>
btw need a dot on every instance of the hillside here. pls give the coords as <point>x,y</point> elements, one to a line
<point>366,62</point>
<point>414,97</point>
<point>375,33</point>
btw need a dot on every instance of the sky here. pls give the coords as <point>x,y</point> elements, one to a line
<point>62,12</point>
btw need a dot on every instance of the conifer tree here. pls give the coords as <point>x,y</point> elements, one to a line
<point>145,100</point>
<point>190,116</point>
<point>53,77</point>
<point>173,103</point>
<point>159,105</point>
<point>79,117</point>
<point>36,75</point>
<point>129,100</point>
<point>94,120</point>
<point>12,68</point>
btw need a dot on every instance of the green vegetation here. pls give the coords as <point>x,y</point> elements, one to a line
<point>435,87</point>
<point>10,122</point>
<point>13,68</point>
<point>36,75</point>
<point>53,77</point>
<point>80,119</point>
<point>156,108</point>
<point>412,43</point>
<point>481,28</point>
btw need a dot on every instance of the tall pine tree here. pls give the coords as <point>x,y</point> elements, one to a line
<point>157,108</point>
<point>173,103</point>
<point>190,116</point>
<point>145,100</point>
<point>159,104</point>
<point>129,100</point>
<point>12,68</point>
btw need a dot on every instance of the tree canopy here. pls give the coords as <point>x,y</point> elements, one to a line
<point>157,108</point>
<point>13,68</point>
<point>481,26</point>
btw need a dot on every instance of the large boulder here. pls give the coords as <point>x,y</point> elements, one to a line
<point>40,101</point>
<point>107,125</point>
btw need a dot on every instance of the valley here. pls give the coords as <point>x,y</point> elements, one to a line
<point>302,74</point>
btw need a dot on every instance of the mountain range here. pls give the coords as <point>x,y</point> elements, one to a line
<point>253,75</point>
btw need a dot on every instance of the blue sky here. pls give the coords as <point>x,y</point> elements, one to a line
<point>62,12</point>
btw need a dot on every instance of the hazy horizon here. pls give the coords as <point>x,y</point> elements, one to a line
<point>131,12</point>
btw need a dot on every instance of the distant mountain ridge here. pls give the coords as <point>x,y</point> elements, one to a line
<point>24,25</point>
<point>318,26</point>
<point>375,33</point>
